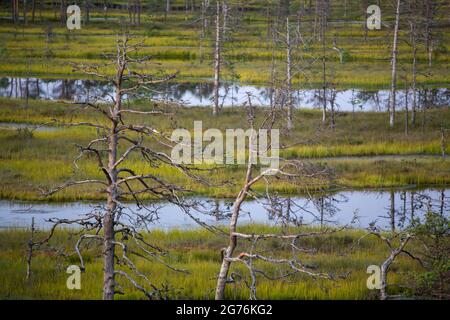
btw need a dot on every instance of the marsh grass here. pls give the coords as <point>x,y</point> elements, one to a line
<point>362,151</point>
<point>174,41</point>
<point>199,252</point>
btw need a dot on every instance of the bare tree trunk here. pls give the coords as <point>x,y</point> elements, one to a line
<point>392,211</point>
<point>322,200</point>
<point>428,36</point>
<point>384,272</point>
<point>14,8</point>
<point>424,110</point>
<point>86,11</point>
<point>108,220</point>
<point>290,124</point>
<point>406,112</point>
<point>228,253</point>
<point>394,68</point>
<point>63,12</point>
<point>232,243</point>
<point>387,263</point>
<point>443,144</point>
<point>25,9</point>
<point>33,10</point>
<point>30,249</point>
<point>324,80</point>
<point>26,90</point>
<point>332,104</point>
<point>105,10</point>
<point>139,9</point>
<point>414,73</point>
<point>217,62</point>
<point>166,12</point>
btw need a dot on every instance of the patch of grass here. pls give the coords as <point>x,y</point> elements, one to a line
<point>379,156</point>
<point>199,252</point>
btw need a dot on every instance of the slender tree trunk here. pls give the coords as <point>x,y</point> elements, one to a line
<point>322,203</point>
<point>428,36</point>
<point>14,10</point>
<point>424,109</point>
<point>167,9</point>
<point>33,10</point>
<point>111,206</point>
<point>443,144</point>
<point>406,113</point>
<point>228,253</point>
<point>414,73</point>
<point>392,211</point>
<point>387,263</point>
<point>290,103</point>
<point>394,68</point>
<point>112,192</point>
<point>63,11</point>
<point>26,91</point>
<point>25,9</point>
<point>324,81</point>
<point>332,113</point>
<point>108,248</point>
<point>139,9</point>
<point>30,249</point>
<point>217,62</point>
<point>232,243</point>
<point>86,11</point>
<point>384,272</point>
<point>105,10</point>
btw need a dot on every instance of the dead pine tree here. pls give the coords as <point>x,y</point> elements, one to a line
<point>397,243</point>
<point>323,25</point>
<point>30,246</point>
<point>413,19</point>
<point>217,58</point>
<point>290,103</point>
<point>292,171</point>
<point>392,98</point>
<point>115,226</point>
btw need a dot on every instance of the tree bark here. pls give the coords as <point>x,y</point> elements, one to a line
<point>228,253</point>
<point>86,11</point>
<point>25,9</point>
<point>111,206</point>
<point>217,62</point>
<point>406,113</point>
<point>414,72</point>
<point>387,263</point>
<point>33,10</point>
<point>290,124</point>
<point>394,68</point>
<point>392,212</point>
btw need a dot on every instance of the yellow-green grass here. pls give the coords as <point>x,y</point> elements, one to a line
<point>362,152</point>
<point>198,251</point>
<point>175,41</point>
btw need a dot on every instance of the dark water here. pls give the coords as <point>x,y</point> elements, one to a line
<point>336,209</point>
<point>200,94</point>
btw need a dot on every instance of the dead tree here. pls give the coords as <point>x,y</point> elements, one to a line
<point>322,38</point>
<point>15,10</point>
<point>217,59</point>
<point>30,245</point>
<point>115,225</point>
<point>297,62</point>
<point>396,243</point>
<point>392,100</point>
<point>292,171</point>
<point>413,34</point>
<point>290,103</point>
